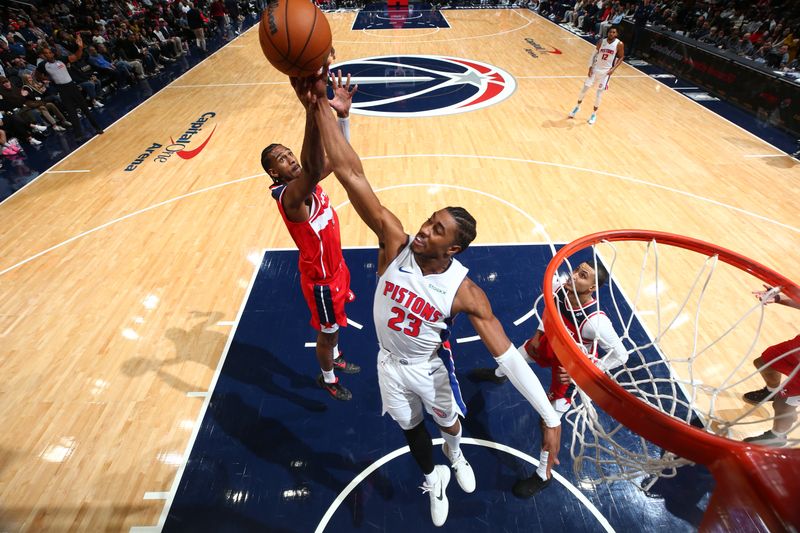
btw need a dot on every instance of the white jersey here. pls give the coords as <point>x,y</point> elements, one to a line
<point>605,55</point>
<point>412,311</point>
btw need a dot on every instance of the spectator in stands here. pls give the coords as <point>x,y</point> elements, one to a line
<point>217,10</point>
<point>235,16</point>
<point>194,19</point>
<point>30,109</point>
<point>613,20</point>
<point>121,74</point>
<point>641,16</point>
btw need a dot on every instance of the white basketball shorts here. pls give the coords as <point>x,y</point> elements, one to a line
<point>408,386</point>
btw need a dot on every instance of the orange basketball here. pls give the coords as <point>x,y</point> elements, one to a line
<point>295,36</point>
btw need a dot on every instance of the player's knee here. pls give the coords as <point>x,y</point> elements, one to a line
<point>326,340</point>
<point>451,429</point>
<point>758,362</point>
<point>411,426</point>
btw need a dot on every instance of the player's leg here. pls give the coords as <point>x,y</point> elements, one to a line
<point>341,295</point>
<point>602,86</point>
<point>771,365</point>
<point>440,394</point>
<point>326,342</point>
<point>586,86</point>
<point>405,407</point>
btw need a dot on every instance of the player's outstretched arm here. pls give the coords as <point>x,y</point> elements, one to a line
<point>343,92</point>
<point>471,300</point>
<point>312,159</point>
<point>347,167</point>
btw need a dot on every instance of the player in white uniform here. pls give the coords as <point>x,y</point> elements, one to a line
<point>589,327</point>
<point>421,287</point>
<point>608,55</point>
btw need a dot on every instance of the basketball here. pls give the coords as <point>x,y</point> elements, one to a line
<point>295,36</point>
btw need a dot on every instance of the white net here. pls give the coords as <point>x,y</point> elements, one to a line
<point>692,329</point>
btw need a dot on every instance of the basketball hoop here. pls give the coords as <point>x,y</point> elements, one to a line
<point>756,485</point>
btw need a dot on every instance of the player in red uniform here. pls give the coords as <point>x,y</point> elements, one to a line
<point>314,227</point>
<point>779,360</point>
<point>590,328</point>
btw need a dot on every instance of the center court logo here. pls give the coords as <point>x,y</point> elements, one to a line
<point>179,147</point>
<point>425,85</point>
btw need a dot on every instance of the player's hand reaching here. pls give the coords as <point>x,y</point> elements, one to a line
<point>342,94</point>
<point>310,89</point>
<point>768,295</point>
<point>551,443</point>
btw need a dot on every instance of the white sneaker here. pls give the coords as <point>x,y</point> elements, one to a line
<point>464,474</point>
<point>34,141</point>
<point>56,127</point>
<point>592,119</point>
<point>574,111</point>
<point>38,127</point>
<point>438,495</point>
<point>98,103</point>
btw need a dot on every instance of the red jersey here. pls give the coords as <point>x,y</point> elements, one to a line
<point>317,238</point>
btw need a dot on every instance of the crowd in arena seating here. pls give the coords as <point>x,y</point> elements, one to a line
<point>764,31</point>
<point>104,45</point>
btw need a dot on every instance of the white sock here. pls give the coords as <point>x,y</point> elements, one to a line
<point>598,98</point>
<point>453,442</point>
<point>336,351</point>
<point>329,376</point>
<point>541,470</point>
<point>772,389</point>
<point>432,478</point>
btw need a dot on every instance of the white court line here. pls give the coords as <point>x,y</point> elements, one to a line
<point>50,171</point>
<point>603,521</point>
<point>175,482</point>
<point>225,323</point>
<point>120,219</point>
<point>537,225</point>
<point>525,317</point>
<point>155,495</point>
<point>462,340</point>
<point>197,394</point>
<point>355,324</point>
<point>311,345</point>
<point>66,171</point>
<point>601,172</point>
<point>767,155</point>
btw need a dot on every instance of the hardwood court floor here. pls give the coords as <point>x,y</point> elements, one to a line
<point>118,289</point>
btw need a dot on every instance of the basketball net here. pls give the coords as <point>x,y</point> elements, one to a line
<point>691,352</point>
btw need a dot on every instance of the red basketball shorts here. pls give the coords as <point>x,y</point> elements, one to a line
<point>326,300</point>
<point>785,365</point>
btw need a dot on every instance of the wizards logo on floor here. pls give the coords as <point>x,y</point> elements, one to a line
<point>425,85</point>
<point>183,146</point>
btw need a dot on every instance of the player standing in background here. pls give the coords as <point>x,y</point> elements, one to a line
<point>314,227</point>
<point>421,287</point>
<point>608,55</point>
